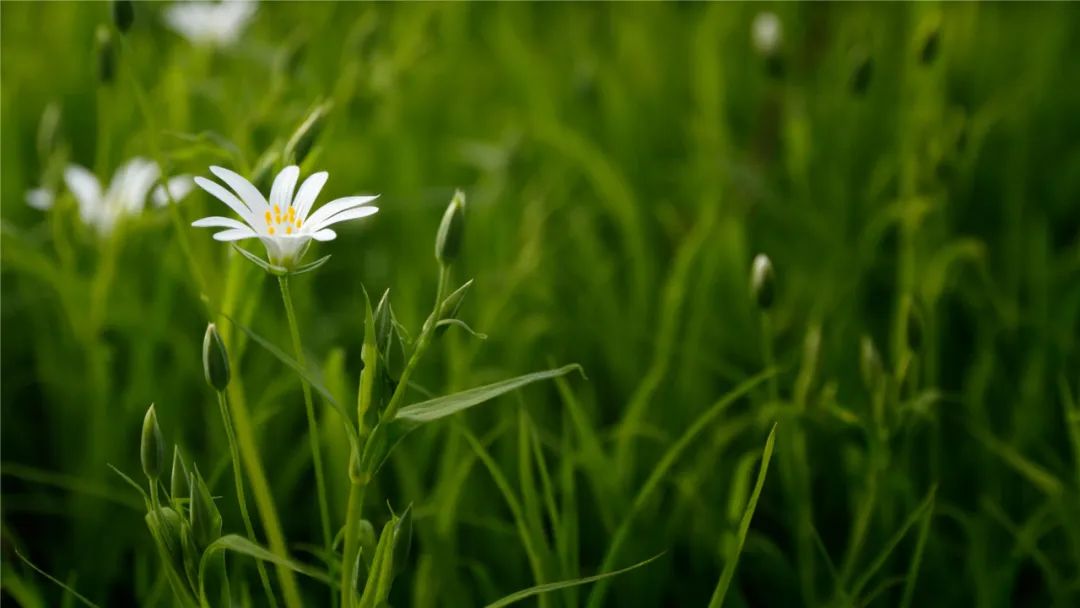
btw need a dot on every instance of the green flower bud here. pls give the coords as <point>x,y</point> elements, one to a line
<point>384,323</point>
<point>870,363</point>
<point>215,359</point>
<point>47,129</point>
<point>448,239</point>
<point>106,54</point>
<point>152,449</point>
<point>930,45</point>
<point>862,75</point>
<point>123,15</point>
<point>168,529</point>
<point>179,487</point>
<point>762,281</point>
<point>205,517</point>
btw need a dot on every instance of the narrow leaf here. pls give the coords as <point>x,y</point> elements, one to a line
<point>441,407</point>
<point>517,596</point>
<point>744,525</point>
<point>58,582</point>
<point>462,325</point>
<point>243,546</point>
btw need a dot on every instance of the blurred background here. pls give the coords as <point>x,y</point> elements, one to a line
<point>912,171</point>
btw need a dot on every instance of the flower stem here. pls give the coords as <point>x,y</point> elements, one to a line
<point>767,353</point>
<point>422,344</point>
<point>313,428</point>
<point>353,513</point>
<point>234,452</point>
<point>264,502</point>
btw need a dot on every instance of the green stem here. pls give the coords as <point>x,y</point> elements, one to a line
<point>767,354</point>
<point>313,428</point>
<point>422,344</point>
<point>234,452</point>
<point>353,513</point>
<point>264,502</point>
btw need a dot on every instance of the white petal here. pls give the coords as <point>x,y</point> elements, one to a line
<point>179,187</point>
<point>40,198</point>
<point>310,189</point>
<point>226,197</point>
<point>86,188</point>
<point>234,234</point>
<point>248,192</point>
<point>344,216</point>
<point>138,178</point>
<point>337,206</point>
<point>324,235</point>
<point>219,222</point>
<point>281,192</point>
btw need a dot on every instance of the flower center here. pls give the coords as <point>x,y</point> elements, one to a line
<point>282,221</point>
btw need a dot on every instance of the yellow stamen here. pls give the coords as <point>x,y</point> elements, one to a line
<point>298,222</point>
<point>288,230</point>
<point>271,230</point>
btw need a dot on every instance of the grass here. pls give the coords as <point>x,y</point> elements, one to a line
<point>622,165</point>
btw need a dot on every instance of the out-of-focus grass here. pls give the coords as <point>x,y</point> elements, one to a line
<point>623,165</point>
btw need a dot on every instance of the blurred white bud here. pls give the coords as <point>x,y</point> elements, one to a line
<point>767,33</point>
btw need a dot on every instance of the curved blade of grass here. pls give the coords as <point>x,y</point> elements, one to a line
<point>280,355</point>
<point>517,596</point>
<point>744,525</point>
<point>441,407</point>
<point>82,598</point>
<point>916,559</point>
<point>668,460</point>
<point>243,546</point>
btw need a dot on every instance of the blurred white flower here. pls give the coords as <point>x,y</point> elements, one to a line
<point>210,23</point>
<point>125,196</point>
<point>282,224</point>
<point>40,198</point>
<point>767,33</point>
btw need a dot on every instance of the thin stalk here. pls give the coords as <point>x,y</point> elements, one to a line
<point>234,452</point>
<point>309,407</point>
<point>422,344</point>
<point>353,513</point>
<point>264,502</point>
<point>767,354</point>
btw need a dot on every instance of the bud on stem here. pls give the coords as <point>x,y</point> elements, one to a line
<point>762,281</point>
<point>123,15</point>
<point>451,230</point>
<point>215,359</point>
<point>152,449</point>
<point>106,55</point>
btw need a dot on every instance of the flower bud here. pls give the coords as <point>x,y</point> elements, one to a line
<point>870,363</point>
<point>178,481</point>
<point>862,75</point>
<point>762,281</point>
<point>152,449</point>
<point>930,45</point>
<point>215,359</point>
<point>767,32</point>
<point>448,239</point>
<point>123,15</point>
<point>106,54</point>
<point>205,517</point>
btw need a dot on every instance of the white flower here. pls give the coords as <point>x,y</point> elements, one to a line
<point>767,32</point>
<point>282,224</point>
<point>40,198</point>
<point>125,196</point>
<point>210,23</point>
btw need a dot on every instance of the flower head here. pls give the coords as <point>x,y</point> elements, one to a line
<point>285,224</point>
<point>125,196</point>
<point>210,23</point>
<point>767,32</point>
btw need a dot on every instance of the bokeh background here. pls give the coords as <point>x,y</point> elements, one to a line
<point>623,164</point>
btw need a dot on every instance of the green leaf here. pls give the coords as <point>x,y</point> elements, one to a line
<point>58,582</point>
<point>462,325</point>
<point>917,515</point>
<point>273,269</point>
<point>350,430</point>
<point>441,407</point>
<point>309,266</point>
<point>744,525</point>
<point>517,596</point>
<point>243,546</point>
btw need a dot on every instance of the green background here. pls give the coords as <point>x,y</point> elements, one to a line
<point>623,164</point>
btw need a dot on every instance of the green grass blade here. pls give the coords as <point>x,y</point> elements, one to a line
<point>517,596</point>
<point>744,525</point>
<point>441,407</point>
<point>82,598</point>
<point>922,510</point>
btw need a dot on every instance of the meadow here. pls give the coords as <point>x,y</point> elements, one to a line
<point>884,410</point>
